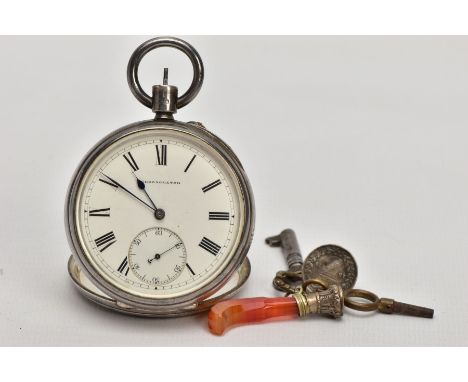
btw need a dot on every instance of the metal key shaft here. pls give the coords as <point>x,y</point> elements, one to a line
<point>390,306</point>
<point>288,242</point>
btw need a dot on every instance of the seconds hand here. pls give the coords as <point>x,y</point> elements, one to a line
<point>158,255</point>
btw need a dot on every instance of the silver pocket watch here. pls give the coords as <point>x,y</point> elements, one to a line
<point>160,214</point>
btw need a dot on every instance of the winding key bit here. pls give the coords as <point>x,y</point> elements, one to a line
<point>390,306</point>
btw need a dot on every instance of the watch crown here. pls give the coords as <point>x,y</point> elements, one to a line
<point>165,98</point>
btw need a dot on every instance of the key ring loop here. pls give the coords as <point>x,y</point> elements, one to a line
<point>373,299</point>
<point>285,281</point>
<point>297,275</point>
<point>159,42</point>
<point>319,282</point>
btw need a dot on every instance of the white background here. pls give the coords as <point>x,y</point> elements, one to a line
<point>356,141</point>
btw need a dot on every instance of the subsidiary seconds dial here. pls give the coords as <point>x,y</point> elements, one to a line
<point>157,256</point>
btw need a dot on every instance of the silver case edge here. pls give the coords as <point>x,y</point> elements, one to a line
<point>171,306</point>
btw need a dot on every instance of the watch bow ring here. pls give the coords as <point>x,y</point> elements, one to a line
<point>171,42</point>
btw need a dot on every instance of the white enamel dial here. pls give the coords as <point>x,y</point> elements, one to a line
<point>154,191</point>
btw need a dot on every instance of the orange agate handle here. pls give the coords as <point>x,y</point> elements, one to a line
<point>230,313</point>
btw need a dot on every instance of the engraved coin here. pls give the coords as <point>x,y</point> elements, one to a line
<point>331,264</point>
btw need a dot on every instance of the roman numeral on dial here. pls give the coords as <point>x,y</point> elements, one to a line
<point>209,246</point>
<point>100,212</point>
<point>190,269</point>
<point>190,163</point>
<point>123,267</point>
<point>161,155</point>
<point>218,215</point>
<point>105,241</point>
<point>131,161</point>
<point>212,185</point>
